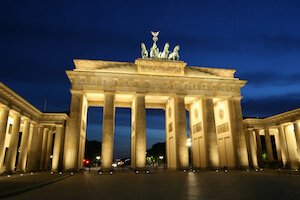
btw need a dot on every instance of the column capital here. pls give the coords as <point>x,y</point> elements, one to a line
<point>4,107</point>
<point>40,125</point>
<point>280,128</point>
<point>206,97</point>
<point>109,92</point>
<point>25,119</point>
<point>34,123</point>
<point>236,98</point>
<point>276,126</point>
<point>76,92</point>
<point>46,129</point>
<point>256,130</point>
<point>15,113</point>
<point>286,124</point>
<point>297,121</point>
<point>139,94</point>
<point>59,125</point>
<point>180,95</point>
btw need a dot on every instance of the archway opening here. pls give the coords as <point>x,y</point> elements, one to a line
<point>122,138</point>
<point>156,138</point>
<point>92,154</point>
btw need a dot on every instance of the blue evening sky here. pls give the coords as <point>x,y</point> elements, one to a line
<point>259,38</point>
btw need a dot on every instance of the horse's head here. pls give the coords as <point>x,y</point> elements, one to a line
<point>143,46</point>
<point>166,48</point>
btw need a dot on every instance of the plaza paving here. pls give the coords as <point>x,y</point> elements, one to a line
<point>169,185</point>
<point>18,183</point>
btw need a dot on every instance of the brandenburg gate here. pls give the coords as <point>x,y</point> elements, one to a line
<point>160,81</point>
<point>31,140</point>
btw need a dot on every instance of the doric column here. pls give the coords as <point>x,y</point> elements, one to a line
<point>13,144</point>
<point>259,147</point>
<point>76,127</point>
<point>108,131</point>
<point>4,112</point>
<point>246,131</point>
<point>297,136</point>
<point>239,140</point>
<point>44,148</point>
<point>24,146</point>
<point>35,148</point>
<point>49,150</point>
<point>269,145</point>
<point>284,151</point>
<point>209,130</point>
<point>180,132</point>
<point>42,131</point>
<point>278,147</point>
<point>252,148</point>
<point>58,148</point>
<point>139,131</point>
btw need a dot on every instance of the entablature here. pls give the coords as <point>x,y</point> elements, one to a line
<point>154,84</point>
<point>16,103</point>
<point>275,120</point>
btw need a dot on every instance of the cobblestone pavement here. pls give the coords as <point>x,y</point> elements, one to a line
<point>204,185</point>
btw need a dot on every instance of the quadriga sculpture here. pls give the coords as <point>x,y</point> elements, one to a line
<point>174,55</point>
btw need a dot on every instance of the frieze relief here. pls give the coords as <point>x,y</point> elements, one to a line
<point>159,69</point>
<point>154,85</point>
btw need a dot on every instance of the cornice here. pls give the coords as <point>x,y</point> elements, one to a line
<point>152,67</point>
<point>282,118</point>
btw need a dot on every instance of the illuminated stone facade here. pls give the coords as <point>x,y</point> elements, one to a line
<point>211,95</point>
<point>27,135</point>
<point>274,139</point>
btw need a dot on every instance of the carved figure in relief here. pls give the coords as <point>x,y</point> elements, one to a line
<point>164,55</point>
<point>144,51</point>
<point>175,54</point>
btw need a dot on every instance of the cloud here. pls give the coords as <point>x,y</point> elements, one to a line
<point>275,42</point>
<point>268,77</point>
<point>271,105</point>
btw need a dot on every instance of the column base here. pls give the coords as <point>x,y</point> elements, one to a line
<point>141,170</point>
<point>184,169</point>
<point>8,173</point>
<point>20,171</point>
<point>106,171</point>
